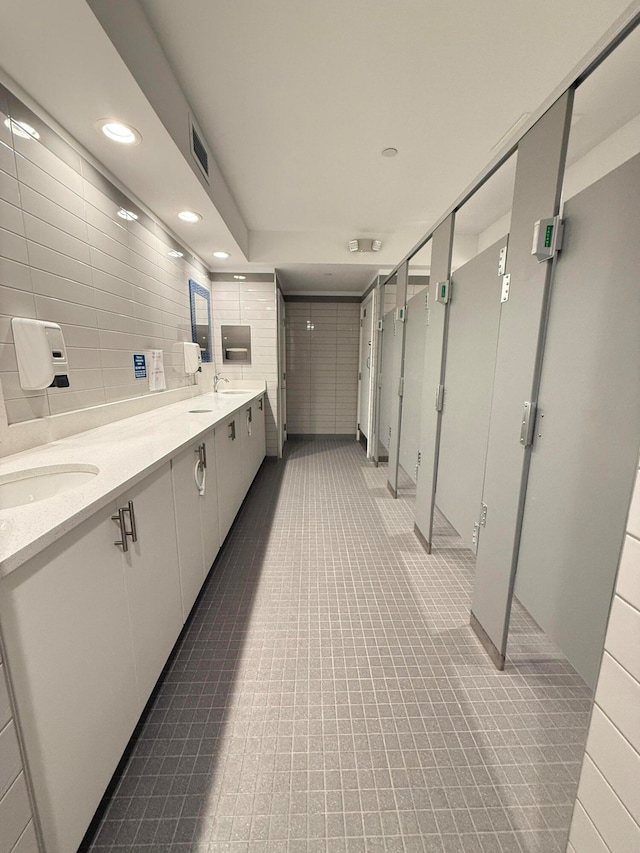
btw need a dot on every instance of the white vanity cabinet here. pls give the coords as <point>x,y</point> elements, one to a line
<point>68,643</point>
<point>255,438</point>
<point>193,473</point>
<point>211,540</point>
<point>230,447</point>
<point>89,622</point>
<point>87,629</point>
<point>152,578</point>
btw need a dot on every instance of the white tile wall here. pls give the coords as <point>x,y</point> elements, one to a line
<point>607,812</point>
<point>66,256</point>
<point>251,303</point>
<point>322,367</point>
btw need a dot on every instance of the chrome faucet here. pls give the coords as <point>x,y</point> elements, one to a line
<point>217,379</point>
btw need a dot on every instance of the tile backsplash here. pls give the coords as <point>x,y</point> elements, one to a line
<point>322,367</point>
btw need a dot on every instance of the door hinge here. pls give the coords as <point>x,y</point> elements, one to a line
<point>475,537</point>
<point>483,515</point>
<point>361,323</point>
<point>401,387</point>
<point>418,464</point>
<point>359,375</point>
<point>439,398</point>
<point>506,284</point>
<point>502,261</point>
<point>528,424</point>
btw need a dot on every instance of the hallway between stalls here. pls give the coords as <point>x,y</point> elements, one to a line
<point>328,693</point>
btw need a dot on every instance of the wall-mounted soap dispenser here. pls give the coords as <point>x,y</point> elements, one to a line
<point>41,354</point>
<point>192,358</point>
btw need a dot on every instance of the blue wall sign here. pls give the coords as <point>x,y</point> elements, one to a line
<point>140,366</point>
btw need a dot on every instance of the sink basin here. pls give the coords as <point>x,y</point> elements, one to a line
<point>199,411</point>
<point>234,391</point>
<point>37,484</point>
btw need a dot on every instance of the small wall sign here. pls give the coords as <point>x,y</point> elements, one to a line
<point>139,366</point>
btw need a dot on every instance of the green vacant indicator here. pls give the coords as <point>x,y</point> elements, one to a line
<point>443,291</point>
<point>547,236</point>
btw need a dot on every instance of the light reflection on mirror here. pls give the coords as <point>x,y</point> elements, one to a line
<point>200,299</point>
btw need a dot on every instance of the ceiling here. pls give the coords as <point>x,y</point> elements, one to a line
<point>296,102</point>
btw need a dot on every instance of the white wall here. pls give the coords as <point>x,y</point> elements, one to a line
<point>607,811</point>
<point>322,367</point>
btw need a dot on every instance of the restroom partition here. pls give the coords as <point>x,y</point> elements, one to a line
<point>366,359</point>
<point>586,439</point>
<point>432,379</point>
<point>415,340</point>
<point>391,354</point>
<point>538,182</point>
<point>395,417</point>
<point>472,339</point>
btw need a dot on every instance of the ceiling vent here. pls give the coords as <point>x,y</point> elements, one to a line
<point>199,148</point>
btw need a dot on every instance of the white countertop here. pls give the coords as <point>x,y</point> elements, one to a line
<point>125,451</point>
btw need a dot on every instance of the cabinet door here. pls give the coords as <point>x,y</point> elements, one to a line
<point>152,578</point>
<point>184,470</point>
<point>209,506</point>
<point>229,470</point>
<point>248,446</point>
<point>259,430</point>
<point>69,652</point>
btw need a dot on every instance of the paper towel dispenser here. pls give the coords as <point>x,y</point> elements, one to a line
<point>236,344</point>
<point>40,353</point>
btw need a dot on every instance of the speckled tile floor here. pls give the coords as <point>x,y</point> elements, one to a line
<point>329,694</point>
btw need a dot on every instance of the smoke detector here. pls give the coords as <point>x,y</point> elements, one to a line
<point>365,245</point>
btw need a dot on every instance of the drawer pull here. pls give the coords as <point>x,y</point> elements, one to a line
<point>120,519</point>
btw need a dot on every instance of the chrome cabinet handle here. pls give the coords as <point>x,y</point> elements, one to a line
<point>232,430</point>
<point>132,522</point>
<point>121,520</point>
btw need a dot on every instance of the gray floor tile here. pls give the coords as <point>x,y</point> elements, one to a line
<point>329,694</point>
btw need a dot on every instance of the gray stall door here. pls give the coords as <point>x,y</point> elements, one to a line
<point>416,335</point>
<point>586,447</point>
<point>472,339</point>
<point>390,372</point>
<point>365,368</point>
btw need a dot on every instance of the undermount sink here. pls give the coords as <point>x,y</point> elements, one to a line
<point>234,391</point>
<point>37,484</point>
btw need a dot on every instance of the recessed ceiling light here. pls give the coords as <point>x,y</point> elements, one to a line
<point>221,255</point>
<point>240,277</point>
<point>117,131</point>
<point>127,214</point>
<point>189,216</point>
<point>21,129</point>
<point>389,152</point>
<point>175,254</point>
<point>328,273</point>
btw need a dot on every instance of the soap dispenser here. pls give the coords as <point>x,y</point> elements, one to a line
<point>41,354</point>
<point>192,358</point>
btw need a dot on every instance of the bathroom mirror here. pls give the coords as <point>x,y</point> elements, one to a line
<point>201,318</point>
